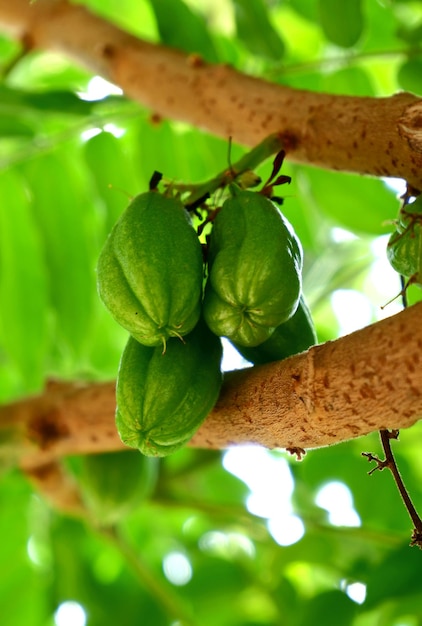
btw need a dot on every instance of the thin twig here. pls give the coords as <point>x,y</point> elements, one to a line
<point>390,463</point>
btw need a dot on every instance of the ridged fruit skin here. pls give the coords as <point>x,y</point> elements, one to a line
<point>115,483</point>
<point>294,336</point>
<point>150,270</point>
<point>162,398</point>
<point>255,265</point>
<point>404,248</point>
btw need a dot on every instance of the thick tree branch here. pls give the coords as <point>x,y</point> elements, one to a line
<point>381,137</point>
<point>367,381</point>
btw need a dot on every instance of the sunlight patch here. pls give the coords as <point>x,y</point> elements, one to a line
<point>99,88</point>
<point>38,553</point>
<point>336,498</point>
<point>232,360</point>
<point>70,613</point>
<point>177,568</point>
<point>268,478</point>
<point>340,235</point>
<point>356,592</point>
<point>89,133</point>
<point>286,530</point>
<point>271,486</point>
<point>227,545</point>
<point>352,309</point>
<point>114,130</point>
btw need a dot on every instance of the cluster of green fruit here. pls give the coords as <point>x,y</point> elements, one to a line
<point>153,279</point>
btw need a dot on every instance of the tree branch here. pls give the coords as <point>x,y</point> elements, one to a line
<point>377,136</point>
<point>367,381</point>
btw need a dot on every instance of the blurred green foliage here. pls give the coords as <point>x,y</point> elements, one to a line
<point>69,159</point>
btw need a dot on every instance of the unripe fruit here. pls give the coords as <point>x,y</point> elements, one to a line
<point>255,263</point>
<point>162,399</point>
<point>294,336</point>
<point>115,483</point>
<point>150,270</point>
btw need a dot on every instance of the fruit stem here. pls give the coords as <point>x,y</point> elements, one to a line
<point>249,161</point>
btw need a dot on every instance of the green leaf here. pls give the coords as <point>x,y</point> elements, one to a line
<point>112,175</point>
<point>107,340</point>
<point>349,81</point>
<point>305,9</point>
<point>23,583</point>
<point>65,216</point>
<point>397,576</point>
<point>62,101</point>
<point>360,204</point>
<point>330,608</point>
<point>113,597</point>
<point>134,17</point>
<point>410,33</point>
<point>342,22</point>
<point>182,28</point>
<point>23,289</point>
<point>409,75</point>
<point>256,31</point>
<point>168,148</point>
<point>12,125</point>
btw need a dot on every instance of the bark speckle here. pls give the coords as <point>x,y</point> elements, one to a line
<point>47,430</point>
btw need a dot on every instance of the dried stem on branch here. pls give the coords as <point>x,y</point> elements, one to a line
<point>377,136</point>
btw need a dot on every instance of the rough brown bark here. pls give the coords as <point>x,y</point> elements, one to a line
<point>366,381</point>
<point>377,136</point>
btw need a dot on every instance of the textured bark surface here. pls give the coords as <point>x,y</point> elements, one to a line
<point>377,136</point>
<point>366,381</point>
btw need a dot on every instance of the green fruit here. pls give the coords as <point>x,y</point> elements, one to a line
<point>404,249</point>
<point>115,483</point>
<point>162,399</point>
<point>150,270</point>
<point>294,336</point>
<point>255,264</point>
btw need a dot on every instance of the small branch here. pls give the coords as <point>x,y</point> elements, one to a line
<point>390,463</point>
